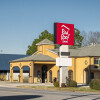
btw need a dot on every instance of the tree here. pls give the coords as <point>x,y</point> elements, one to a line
<point>94,37</point>
<point>32,48</point>
<point>90,38</point>
<point>77,39</point>
<point>84,42</point>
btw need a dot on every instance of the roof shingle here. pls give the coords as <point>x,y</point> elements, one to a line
<point>38,57</point>
<point>45,41</point>
<point>91,50</point>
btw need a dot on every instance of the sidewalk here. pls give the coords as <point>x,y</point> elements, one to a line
<point>15,84</point>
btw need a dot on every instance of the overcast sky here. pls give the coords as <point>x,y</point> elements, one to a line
<point>21,21</point>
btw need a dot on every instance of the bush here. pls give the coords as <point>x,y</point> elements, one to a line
<point>72,83</point>
<point>56,84</point>
<point>63,85</point>
<point>67,82</point>
<point>91,84</point>
<point>95,84</point>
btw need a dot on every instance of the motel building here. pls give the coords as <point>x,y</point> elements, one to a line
<point>43,69</point>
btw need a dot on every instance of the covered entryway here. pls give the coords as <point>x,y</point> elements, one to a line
<point>39,67</point>
<point>21,65</point>
<point>26,74</point>
<point>44,74</point>
<point>91,72</point>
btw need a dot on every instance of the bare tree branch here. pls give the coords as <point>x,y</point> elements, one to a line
<point>91,37</point>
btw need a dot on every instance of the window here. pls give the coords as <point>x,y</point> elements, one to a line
<point>96,61</point>
<point>92,75</point>
<point>58,75</point>
<point>50,76</point>
<point>70,74</point>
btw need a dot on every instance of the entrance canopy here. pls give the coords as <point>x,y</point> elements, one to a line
<point>33,62</point>
<point>38,57</point>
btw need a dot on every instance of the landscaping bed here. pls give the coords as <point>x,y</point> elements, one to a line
<point>73,89</point>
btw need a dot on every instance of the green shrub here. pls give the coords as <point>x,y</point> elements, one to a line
<point>63,85</point>
<point>67,82</point>
<point>91,84</point>
<point>95,84</point>
<point>73,83</point>
<point>56,84</point>
<point>2,79</point>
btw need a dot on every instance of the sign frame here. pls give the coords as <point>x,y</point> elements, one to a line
<point>63,34</point>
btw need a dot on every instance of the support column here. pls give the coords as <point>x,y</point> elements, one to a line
<point>21,75</point>
<point>31,78</point>
<point>11,74</point>
<point>63,74</point>
<point>84,76</point>
<point>63,53</point>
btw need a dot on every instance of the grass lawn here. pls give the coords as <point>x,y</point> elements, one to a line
<point>73,89</point>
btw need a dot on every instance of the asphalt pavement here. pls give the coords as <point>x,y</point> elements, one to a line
<point>32,94</point>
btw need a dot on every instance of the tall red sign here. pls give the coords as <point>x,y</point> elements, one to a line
<point>64,33</point>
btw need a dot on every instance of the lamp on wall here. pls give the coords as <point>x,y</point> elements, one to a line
<point>86,62</point>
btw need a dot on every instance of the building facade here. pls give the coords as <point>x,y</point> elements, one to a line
<point>42,64</point>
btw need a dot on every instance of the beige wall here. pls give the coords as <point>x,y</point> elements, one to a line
<point>54,70</point>
<point>78,68</point>
<point>43,48</point>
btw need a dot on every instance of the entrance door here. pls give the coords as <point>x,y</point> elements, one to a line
<point>44,73</point>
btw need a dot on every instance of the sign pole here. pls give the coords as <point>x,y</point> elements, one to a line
<point>63,35</point>
<point>63,53</point>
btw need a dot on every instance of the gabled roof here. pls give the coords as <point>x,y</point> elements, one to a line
<point>86,51</point>
<point>91,50</point>
<point>5,58</point>
<point>73,52</point>
<point>38,57</point>
<point>45,41</point>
